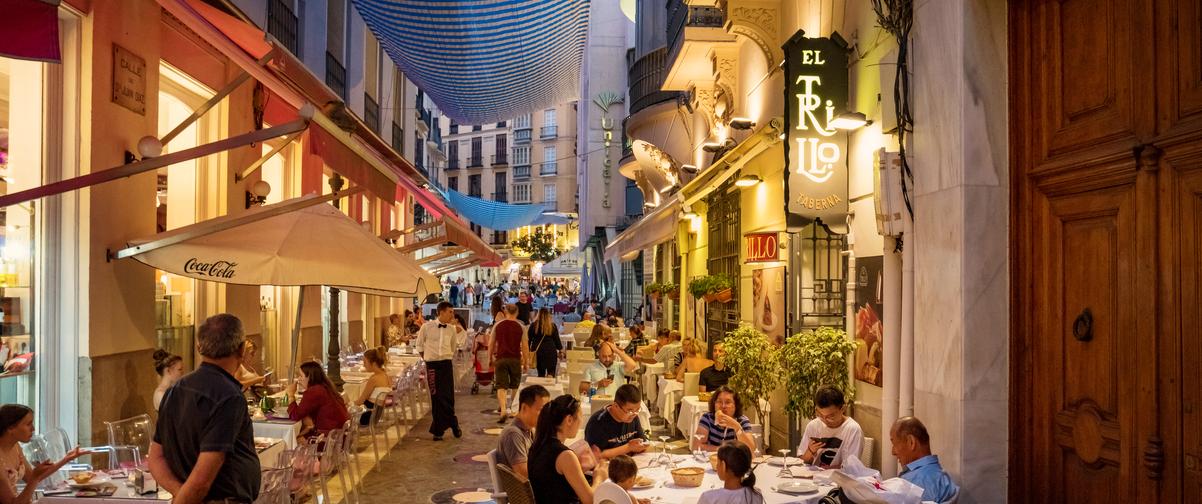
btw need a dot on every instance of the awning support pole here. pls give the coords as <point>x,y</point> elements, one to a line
<point>145,165</point>
<point>429,242</point>
<point>300,305</point>
<point>454,268</point>
<point>232,223</point>
<point>212,102</point>
<point>397,233</point>
<point>259,162</point>
<point>442,255</point>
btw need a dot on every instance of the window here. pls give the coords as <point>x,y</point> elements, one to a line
<point>501,149</point>
<point>477,152</point>
<point>371,66</point>
<point>336,16</point>
<point>473,186</point>
<point>453,183</point>
<point>521,193</point>
<point>549,195</point>
<point>282,24</point>
<point>501,193</point>
<point>501,125</point>
<point>453,154</point>
<point>475,127</point>
<point>419,148</point>
<point>550,165</point>
<point>724,237</point>
<point>521,155</point>
<point>522,122</point>
<point>549,117</point>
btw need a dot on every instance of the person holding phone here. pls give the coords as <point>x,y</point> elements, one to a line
<point>617,430</point>
<point>831,436</point>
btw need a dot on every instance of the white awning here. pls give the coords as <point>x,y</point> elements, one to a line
<point>654,228</point>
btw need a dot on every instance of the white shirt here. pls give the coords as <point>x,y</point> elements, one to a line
<point>850,435</point>
<point>726,496</point>
<point>439,343</point>
<point>597,372</point>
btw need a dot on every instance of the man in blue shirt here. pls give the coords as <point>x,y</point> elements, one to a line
<point>912,447</point>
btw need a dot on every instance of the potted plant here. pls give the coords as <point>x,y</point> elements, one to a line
<point>712,288</point>
<point>755,369</point>
<point>671,289</point>
<point>654,290</point>
<point>813,359</point>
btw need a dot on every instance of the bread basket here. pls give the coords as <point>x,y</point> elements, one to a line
<point>688,476</point>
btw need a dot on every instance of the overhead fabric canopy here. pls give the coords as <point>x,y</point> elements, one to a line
<point>654,228</point>
<point>493,214</point>
<point>484,61</point>
<point>282,250</point>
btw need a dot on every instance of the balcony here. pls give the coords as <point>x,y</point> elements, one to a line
<point>476,161</point>
<point>282,24</point>
<point>521,136</point>
<point>693,30</point>
<point>371,113</point>
<point>502,197</point>
<point>521,172</point>
<point>646,78</point>
<point>545,169</point>
<point>500,159</point>
<point>547,132</point>
<point>336,76</point>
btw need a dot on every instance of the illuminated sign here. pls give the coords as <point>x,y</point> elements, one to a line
<point>816,91</point>
<point>762,247</point>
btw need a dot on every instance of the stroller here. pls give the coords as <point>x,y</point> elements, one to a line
<point>481,362</point>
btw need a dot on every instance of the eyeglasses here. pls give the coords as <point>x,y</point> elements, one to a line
<point>628,412</point>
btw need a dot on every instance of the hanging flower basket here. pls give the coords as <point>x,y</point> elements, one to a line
<point>724,295</point>
<point>674,294</point>
<point>654,296</point>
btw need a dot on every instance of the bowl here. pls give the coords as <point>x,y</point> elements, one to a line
<point>714,462</point>
<point>688,476</point>
<point>704,396</point>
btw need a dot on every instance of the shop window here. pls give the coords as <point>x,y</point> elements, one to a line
<point>632,289</point>
<point>724,236</point>
<point>818,297</point>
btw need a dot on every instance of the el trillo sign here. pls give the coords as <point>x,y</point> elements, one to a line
<point>816,92</point>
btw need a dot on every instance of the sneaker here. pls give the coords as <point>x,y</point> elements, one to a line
<point>457,432</point>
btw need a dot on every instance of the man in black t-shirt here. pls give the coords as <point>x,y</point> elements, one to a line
<point>616,430</point>
<point>524,308</point>
<point>718,374</point>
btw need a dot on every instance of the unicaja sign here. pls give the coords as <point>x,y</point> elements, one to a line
<point>816,89</point>
<point>217,269</point>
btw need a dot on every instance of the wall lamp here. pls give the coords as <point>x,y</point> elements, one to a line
<point>748,180</point>
<point>712,147</point>
<point>688,168</point>
<point>742,123</point>
<point>850,121</point>
<point>257,195</point>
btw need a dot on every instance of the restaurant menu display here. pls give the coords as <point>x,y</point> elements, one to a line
<point>870,335</point>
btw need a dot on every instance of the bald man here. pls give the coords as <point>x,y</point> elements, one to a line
<point>912,447</point>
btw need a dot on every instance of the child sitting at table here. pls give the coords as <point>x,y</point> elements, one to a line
<point>625,473</point>
<point>738,480</point>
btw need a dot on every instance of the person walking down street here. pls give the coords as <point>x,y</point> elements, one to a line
<point>454,294</point>
<point>508,357</point>
<point>524,308</point>
<point>436,342</point>
<point>545,343</point>
<point>204,444</point>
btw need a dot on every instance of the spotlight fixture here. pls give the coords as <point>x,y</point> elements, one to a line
<point>689,215</point>
<point>257,195</point>
<point>850,121</point>
<point>688,168</point>
<point>748,180</point>
<point>711,146</point>
<point>742,123</point>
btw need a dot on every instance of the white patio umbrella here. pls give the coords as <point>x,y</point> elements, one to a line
<point>298,242</point>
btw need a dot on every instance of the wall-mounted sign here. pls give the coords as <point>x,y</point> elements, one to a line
<point>129,80</point>
<point>762,247</point>
<point>816,89</point>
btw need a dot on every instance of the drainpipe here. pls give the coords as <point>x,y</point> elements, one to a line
<point>906,393</point>
<point>891,351</point>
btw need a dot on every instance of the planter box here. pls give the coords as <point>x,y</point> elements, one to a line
<point>724,295</point>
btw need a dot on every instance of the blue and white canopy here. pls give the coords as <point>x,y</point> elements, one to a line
<point>493,214</point>
<point>484,61</point>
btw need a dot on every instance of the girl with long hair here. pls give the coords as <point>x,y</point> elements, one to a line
<point>601,333</point>
<point>321,409</point>
<point>737,475</point>
<point>545,343</point>
<point>16,427</point>
<point>555,471</point>
<point>170,368</point>
<point>692,358</point>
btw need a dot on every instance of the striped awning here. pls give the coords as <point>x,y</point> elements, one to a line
<point>484,61</point>
<point>493,214</point>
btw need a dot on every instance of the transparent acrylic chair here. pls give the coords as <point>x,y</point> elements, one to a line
<point>136,432</point>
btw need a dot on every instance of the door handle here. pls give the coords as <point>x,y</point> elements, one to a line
<point>1154,457</point>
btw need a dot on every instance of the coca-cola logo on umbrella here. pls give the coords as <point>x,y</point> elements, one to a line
<point>218,269</point>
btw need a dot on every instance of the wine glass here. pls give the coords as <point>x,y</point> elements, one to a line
<point>663,443</point>
<point>699,452</point>
<point>784,460</point>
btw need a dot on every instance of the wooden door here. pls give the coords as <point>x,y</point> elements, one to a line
<point>1106,241</point>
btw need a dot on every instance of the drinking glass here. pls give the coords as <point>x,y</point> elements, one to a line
<point>784,460</point>
<point>699,453</point>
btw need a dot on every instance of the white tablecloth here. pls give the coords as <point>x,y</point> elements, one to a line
<point>124,495</point>
<point>556,390</point>
<point>650,379</point>
<point>278,429</point>
<point>765,474</point>
<point>353,386</point>
<point>691,409</point>
<point>567,340</point>
<point>670,392</point>
<point>271,455</point>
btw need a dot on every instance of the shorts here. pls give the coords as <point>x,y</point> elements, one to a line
<point>508,373</point>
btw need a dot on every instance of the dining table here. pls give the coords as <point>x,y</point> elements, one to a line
<point>124,494</point>
<point>768,478</point>
<point>650,381</point>
<point>670,393</point>
<point>269,450</point>
<point>278,428</point>
<point>691,410</point>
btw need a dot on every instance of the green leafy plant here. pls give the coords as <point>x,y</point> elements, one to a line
<point>539,245</point>
<point>814,359</point>
<point>709,284</point>
<point>654,288</point>
<point>754,367</point>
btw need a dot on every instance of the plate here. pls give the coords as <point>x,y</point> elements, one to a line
<point>97,480</point>
<point>797,487</point>
<point>777,461</point>
<point>643,482</point>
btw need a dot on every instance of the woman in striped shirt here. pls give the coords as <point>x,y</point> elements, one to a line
<point>724,422</point>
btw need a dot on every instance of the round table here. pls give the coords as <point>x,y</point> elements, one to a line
<point>670,392</point>
<point>651,375</point>
<point>691,409</point>
<point>767,478</point>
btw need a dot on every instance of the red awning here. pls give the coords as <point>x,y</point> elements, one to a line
<point>30,29</point>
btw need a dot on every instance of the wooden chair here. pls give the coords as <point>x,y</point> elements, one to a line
<point>517,489</point>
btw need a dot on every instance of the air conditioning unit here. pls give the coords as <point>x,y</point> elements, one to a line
<point>887,193</point>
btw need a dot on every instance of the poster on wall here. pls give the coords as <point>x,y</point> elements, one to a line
<point>768,302</point>
<point>869,317</point>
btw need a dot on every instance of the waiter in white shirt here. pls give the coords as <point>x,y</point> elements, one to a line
<point>437,342</point>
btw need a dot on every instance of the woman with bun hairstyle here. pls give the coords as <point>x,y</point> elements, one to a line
<point>16,427</point>
<point>170,368</point>
<point>374,361</point>
<point>738,479</point>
